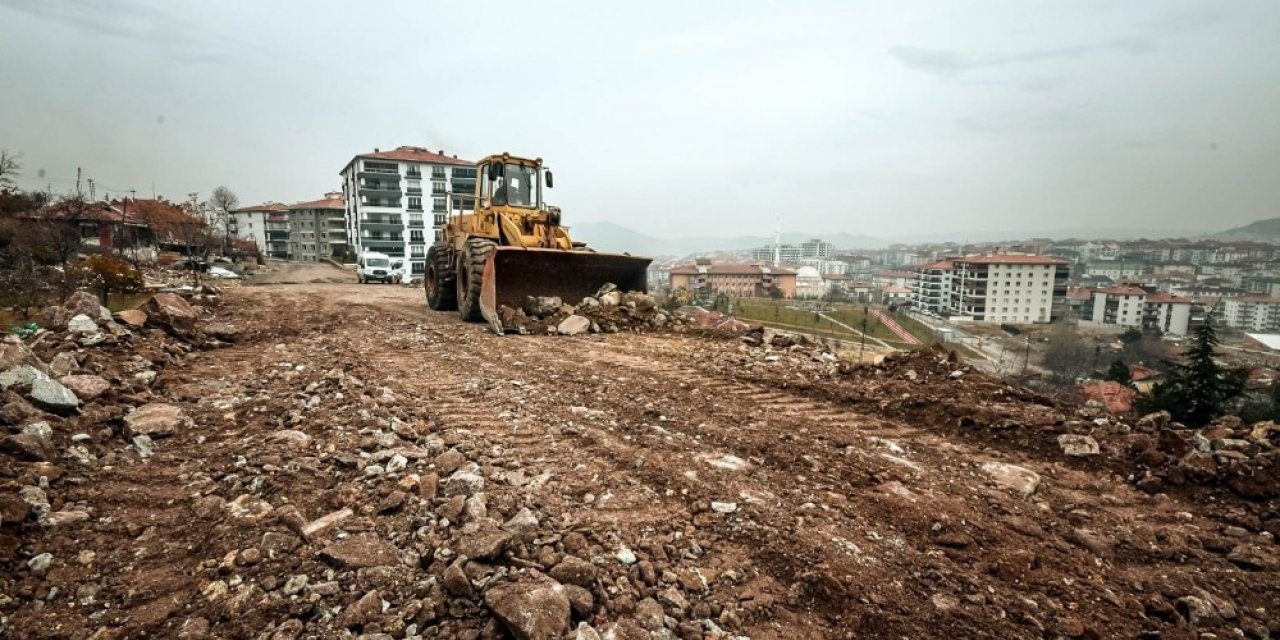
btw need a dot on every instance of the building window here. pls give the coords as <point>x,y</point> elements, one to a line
<point>415,204</point>
<point>437,204</point>
<point>415,235</point>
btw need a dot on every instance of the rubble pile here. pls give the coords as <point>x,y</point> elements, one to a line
<point>608,311</point>
<point>932,386</point>
<point>1243,457</point>
<point>370,471</point>
<point>71,398</point>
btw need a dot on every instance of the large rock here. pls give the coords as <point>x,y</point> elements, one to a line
<point>50,395</point>
<point>156,420</point>
<point>28,447</point>
<point>542,306</point>
<point>13,353</point>
<point>85,387</point>
<point>1078,445</point>
<point>171,313</point>
<point>463,482</point>
<point>13,509</point>
<point>133,318</point>
<point>64,363</point>
<point>82,323</point>
<point>54,318</point>
<point>1153,422</point>
<point>530,609</point>
<point>482,540</point>
<point>82,303</point>
<point>573,325</point>
<point>222,331</point>
<point>361,551</point>
<point>23,375</point>
<point>1020,479</point>
<point>574,570</point>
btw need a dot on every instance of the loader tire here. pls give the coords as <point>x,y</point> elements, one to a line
<point>470,276</point>
<point>442,294</point>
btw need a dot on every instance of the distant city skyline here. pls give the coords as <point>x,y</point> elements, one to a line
<point>675,118</point>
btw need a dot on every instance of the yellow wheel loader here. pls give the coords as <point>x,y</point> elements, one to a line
<point>510,246</point>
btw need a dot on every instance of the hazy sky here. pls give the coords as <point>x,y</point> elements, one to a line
<point>707,118</point>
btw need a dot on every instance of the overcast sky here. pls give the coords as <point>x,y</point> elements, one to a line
<point>675,118</point>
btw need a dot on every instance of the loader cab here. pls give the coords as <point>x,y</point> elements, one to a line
<point>506,181</point>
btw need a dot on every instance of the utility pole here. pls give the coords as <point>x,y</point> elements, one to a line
<point>862,341</point>
<point>93,193</point>
<point>1026,356</point>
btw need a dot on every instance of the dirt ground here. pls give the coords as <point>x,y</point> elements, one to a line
<point>739,495</point>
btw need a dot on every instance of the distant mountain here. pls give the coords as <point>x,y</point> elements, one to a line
<point>1261,231</point>
<point>607,236</point>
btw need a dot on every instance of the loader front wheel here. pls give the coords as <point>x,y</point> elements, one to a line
<point>470,276</point>
<point>438,281</point>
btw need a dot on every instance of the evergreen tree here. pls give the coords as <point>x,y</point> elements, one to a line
<point>1119,372</point>
<point>1197,389</point>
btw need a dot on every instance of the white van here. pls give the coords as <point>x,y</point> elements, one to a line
<point>374,267</point>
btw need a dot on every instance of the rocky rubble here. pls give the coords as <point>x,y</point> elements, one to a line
<point>348,471</point>
<point>608,311</point>
<point>69,399</point>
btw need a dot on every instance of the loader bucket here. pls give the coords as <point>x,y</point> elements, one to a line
<point>511,274</point>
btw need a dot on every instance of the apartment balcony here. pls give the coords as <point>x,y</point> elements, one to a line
<point>413,173</point>
<point>380,189</point>
<point>413,191</point>
<point>415,224</point>
<point>381,203</point>
<point>382,222</point>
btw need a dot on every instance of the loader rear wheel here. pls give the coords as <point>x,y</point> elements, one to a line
<point>438,281</point>
<point>470,276</point>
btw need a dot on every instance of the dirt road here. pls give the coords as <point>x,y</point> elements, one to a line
<point>692,488</point>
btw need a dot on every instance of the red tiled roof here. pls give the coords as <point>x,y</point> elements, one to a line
<point>896,290</point>
<point>266,206</point>
<point>1123,291</point>
<point>730,269</point>
<point>1164,297</point>
<point>87,212</point>
<point>323,203</point>
<point>1011,258</point>
<point>1081,293</point>
<point>941,264</point>
<point>412,154</point>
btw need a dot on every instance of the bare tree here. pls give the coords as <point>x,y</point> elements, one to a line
<point>223,201</point>
<point>9,169</point>
<point>193,232</point>
<point>1069,355</point>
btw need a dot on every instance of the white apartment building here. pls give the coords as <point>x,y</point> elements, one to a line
<point>317,230</point>
<point>1135,307</point>
<point>1252,313</point>
<point>389,194</point>
<point>1116,270</point>
<point>811,250</point>
<point>931,289</point>
<point>1013,288</point>
<point>1119,306</point>
<point>251,223</point>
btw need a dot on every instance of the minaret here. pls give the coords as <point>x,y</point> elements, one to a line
<point>777,241</point>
